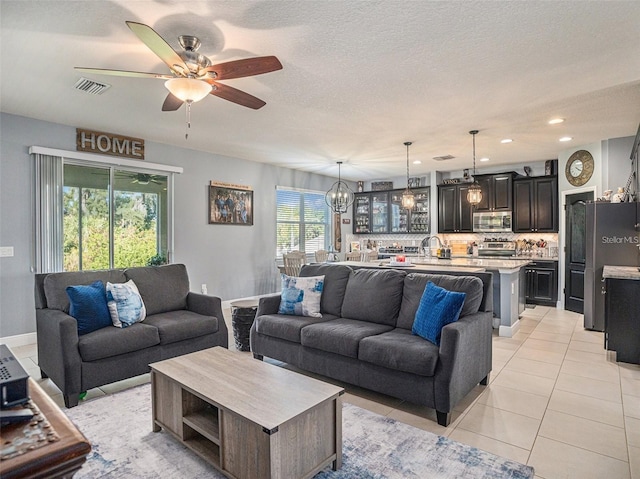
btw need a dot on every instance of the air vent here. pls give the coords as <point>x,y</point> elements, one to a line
<point>443,157</point>
<point>90,86</point>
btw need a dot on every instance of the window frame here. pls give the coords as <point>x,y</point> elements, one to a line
<point>96,161</point>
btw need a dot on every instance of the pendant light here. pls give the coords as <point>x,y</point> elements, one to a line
<point>474,193</point>
<point>408,200</point>
<point>340,196</point>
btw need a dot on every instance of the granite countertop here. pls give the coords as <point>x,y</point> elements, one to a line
<point>621,272</point>
<point>435,266</point>
<point>487,263</point>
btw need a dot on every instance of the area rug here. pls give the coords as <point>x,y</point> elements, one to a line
<point>374,447</point>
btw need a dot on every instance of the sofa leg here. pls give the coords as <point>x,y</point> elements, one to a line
<point>71,400</point>
<point>485,381</point>
<point>259,357</point>
<point>43,375</point>
<point>443,418</point>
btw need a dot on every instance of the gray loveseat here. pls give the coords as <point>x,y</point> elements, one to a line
<point>364,336</point>
<point>178,322</point>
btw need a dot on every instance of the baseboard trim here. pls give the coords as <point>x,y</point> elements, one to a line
<point>509,331</point>
<point>20,340</point>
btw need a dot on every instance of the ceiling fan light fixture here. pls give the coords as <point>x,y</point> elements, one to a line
<point>188,89</point>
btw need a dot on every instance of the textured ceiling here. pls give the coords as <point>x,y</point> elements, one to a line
<point>359,78</point>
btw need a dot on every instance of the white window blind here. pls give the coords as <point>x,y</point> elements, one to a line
<point>302,221</point>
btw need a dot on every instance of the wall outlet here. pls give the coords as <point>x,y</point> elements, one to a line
<point>6,251</point>
<point>203,288</point>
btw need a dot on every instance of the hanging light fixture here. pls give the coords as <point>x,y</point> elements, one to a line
<point>340,196</point>
<point>188,90</point>
<point>408,200</point>
<point>474,193</point>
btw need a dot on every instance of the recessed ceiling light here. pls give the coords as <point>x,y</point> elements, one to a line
<point>555,121</point>
<point>566,138</point>
<point>417,162</point>
<point>506,140</point>
<point>484,159</point>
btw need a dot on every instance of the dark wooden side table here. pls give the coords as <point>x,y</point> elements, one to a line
<point>60,457</point>
<point>243,312</point>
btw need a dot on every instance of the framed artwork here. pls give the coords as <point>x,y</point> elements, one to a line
<point>230,206</point>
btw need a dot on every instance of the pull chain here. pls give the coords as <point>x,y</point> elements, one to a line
<point>188,126</point>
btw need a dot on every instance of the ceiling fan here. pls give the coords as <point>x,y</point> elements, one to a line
<point>193,76</point>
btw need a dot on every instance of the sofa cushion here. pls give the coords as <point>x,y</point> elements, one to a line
<point>374,295</point>
<point>55,284</point>
<point>301,295</point>
<point>415,284</point>
<point>335,282</point>
<point>88,305</point>
<point>438,307</point>
<point>286,327</point>
<point>400,350</point>
<point>341,336</point>
<point>163,288</point>
<point>108,342</point>
<point>179,325</point>
<point>125,304</point>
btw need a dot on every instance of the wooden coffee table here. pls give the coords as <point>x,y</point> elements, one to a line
<point>247,418</point>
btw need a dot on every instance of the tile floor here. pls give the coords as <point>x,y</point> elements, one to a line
<point>557,401</point>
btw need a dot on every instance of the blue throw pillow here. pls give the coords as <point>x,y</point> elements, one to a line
<point>438,307</point>
<point>88,304</point>
<point>301,296</point>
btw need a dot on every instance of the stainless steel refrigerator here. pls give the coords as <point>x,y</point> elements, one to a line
<point>612,239</point>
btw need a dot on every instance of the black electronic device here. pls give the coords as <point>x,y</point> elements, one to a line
<point>14,385</point>
<point>11,416</point>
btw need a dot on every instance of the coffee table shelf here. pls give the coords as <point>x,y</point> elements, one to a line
<point>240,414</point>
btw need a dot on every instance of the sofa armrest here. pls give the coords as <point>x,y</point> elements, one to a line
<point>58,353</point>
<point>465,358</point>
<point>207,306</point>
<point>268,305</point>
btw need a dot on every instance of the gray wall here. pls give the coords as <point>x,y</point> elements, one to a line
<point>234,261</point>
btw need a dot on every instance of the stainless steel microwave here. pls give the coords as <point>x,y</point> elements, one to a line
<point>492,222</point>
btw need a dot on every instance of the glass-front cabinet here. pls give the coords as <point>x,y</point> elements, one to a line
<point>362,214</point>
<point>381,212</point>
<point>399,215</point>
<point>420,212</point>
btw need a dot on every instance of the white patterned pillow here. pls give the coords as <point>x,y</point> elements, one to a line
<point>301,295</point>
<point>125,304</point>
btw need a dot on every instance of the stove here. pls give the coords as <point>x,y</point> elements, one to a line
<point>496,247</point>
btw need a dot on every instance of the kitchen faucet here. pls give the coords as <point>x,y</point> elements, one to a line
<point>426,244</point>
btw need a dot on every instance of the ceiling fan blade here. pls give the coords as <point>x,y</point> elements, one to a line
<point>245,68</point>
<point>236,96</point>
<point>123,73</point>
<point>159,46</point>
<point>171,103</point>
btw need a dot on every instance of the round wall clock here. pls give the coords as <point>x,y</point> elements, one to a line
<point>579,168</point>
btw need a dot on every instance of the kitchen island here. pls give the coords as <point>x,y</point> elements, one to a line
<point>622,312</point>
<point>508,282</point>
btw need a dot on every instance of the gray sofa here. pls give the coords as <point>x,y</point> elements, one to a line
<point>364,336</point>
<point>178,322</point>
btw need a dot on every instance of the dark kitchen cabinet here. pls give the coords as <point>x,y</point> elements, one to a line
<point>381,212</point>
<point>542,283</point>
<point>455,213</point>
<point>362,213</point>
<point>497,192</point>
<point>622,319</point>
<point>535,205</point>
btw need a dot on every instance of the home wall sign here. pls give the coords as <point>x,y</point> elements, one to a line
<point>109,144</point>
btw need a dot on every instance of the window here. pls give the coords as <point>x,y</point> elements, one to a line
<point>303,221</point>
<point>138,231</point>
<point>93,215</point>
